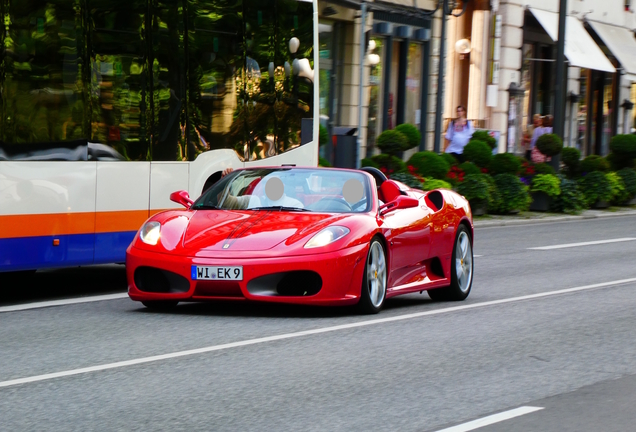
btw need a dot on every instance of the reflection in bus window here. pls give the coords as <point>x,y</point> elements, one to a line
<point>159,79</point>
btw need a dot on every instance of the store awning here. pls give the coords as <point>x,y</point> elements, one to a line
<point>621,43</point>
<point>580,48</point>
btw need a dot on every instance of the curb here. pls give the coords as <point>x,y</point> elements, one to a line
<point>589,214</point>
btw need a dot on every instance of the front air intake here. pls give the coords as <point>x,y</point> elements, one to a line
<point>299,283</point>
<point>154,280</point>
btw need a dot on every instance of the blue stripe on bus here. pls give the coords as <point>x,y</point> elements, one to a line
<point>27,253</point>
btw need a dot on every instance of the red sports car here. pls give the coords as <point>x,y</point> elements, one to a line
<point>320,236</point>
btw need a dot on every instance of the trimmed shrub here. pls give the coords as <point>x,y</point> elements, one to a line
<point>478,152</point>
<point>412,134</point>
<point>476,189</point>
<point>392,142</point>
<point>544,168</point>
<point>594,163</point>
<point>624,149</point>
<point>571,158</point>
<point>571,200</point>
<point>504,163</point>
<point>629,180</point>
<point>469,168</point>
<point>546,183</point>
<point>367,162</point>
<point>323,162</point>
<point>495,196</point>
<point>433,183</point>
<point>389,164</point>
<point>550,144</point>
<point>619,192</point>
<point>452,161</point>
<point>408,179</point>
<point>429,164</point>
<point>484,136</point>
<point>513,194</point>
<point>595,187</point>
<point>323,136</point>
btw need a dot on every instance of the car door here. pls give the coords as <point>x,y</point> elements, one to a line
<point>408,232</point>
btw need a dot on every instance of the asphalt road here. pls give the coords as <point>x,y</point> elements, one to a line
<point>418,366</point>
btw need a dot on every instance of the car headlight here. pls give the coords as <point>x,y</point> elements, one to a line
<point>327,236</point>
<point>150,233</point>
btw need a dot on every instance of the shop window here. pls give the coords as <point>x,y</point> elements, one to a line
<point>413,85</point>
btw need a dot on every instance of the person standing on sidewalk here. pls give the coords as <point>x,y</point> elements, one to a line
<point>527,138</point>
<point>459,132</point>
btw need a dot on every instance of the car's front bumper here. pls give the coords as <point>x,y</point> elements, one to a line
<point>340,274</point>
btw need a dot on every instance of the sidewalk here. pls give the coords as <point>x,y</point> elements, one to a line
<point>539,217</point>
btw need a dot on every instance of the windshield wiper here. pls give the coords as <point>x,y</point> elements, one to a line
<point>205,207</point>
<point>281,208</point>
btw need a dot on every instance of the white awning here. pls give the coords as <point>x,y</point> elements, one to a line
<point>580,48</point>
<point>621,43</point>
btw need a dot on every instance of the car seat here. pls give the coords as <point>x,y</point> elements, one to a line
<point>388,191</point>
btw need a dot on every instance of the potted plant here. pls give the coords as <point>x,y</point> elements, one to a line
<point>408,179</point>
<point>386,163</point>
<point>412,134</point>
<point>478,152</point>
<point>571,200</point>
<point>549,145</point>
<point>476,190</point>
<point>629,179</point>
<point>433,183</point>
<point>503,163</point>
<point>596,189</point>
<point>513,194</point>
<point>544,188</point>
<point>392,142</point>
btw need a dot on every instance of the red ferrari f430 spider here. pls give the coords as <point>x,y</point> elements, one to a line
<point>319,236</point>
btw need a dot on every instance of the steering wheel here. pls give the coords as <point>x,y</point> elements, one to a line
<point>338,201</point>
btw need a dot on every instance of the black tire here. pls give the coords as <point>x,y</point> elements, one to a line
<point>459,288</point>
<point>161,305</point>
<point>368,304</point>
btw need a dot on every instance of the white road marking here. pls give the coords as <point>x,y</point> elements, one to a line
<point>569,245</point>
<point>249,342</point>
<point>495,418</point>
<point>64,302</point>
<point>477,256</point>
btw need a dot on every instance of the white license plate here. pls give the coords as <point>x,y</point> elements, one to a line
<point>217,273</point>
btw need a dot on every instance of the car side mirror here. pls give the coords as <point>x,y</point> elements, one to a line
<point>182,197</point>
<point>401,202</point>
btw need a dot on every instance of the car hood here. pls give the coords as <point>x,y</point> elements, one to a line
<point>213,231</point>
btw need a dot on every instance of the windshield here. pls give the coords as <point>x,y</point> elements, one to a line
<point>289,189</point>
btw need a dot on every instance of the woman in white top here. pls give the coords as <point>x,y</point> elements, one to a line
<point>459,132</point>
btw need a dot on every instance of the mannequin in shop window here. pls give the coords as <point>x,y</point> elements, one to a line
<point>459,132</point>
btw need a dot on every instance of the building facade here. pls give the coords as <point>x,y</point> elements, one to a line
<point>507,80</point>
<point>399,76</point>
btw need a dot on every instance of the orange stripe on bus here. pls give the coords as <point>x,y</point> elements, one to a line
<point>72,223</point>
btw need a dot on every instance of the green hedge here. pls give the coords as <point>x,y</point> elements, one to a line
<point>476,189</point>
<point>594,163</point>
<point>513,194</point>
<point>408,179</point>
<point>550,144</point>
<point>392,142</point>
<point>412,134</point>
<point>595,187</point>
<point>429,164</point>
<point>571,200</point>
<point>504,163</point>
<point>478,152</point>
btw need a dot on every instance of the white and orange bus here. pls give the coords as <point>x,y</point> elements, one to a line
<point>108,106</point>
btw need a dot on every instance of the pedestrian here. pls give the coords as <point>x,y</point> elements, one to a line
<point>527,137</point>
<point>546,127</point>
<point>459,132</point>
